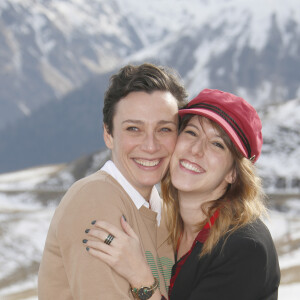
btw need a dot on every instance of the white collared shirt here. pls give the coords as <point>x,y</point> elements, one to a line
<point>155,200</point>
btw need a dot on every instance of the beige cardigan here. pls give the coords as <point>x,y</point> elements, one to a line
<point>67,271</point>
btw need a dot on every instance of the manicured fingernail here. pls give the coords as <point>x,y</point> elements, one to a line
<point>124,218</point>
<point>87,248</point>
<point>93,222</point>
<point>87,230</point>
<point>84,241</point>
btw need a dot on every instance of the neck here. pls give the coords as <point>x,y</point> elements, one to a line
<point>191,214</point>
<point>147,195</point>
<point>191,211</point>
<point>145,192</point>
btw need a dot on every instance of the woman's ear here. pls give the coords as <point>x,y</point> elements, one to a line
<point>231,176</point>
<point>108,138</point>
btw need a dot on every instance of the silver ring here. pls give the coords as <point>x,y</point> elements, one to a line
<point>109,239</point>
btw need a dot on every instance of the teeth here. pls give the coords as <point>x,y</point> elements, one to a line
<point>147,163</point>
<point>190,166</point>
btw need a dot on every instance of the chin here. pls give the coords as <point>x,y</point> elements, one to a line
<point>182,187</point>
<point>149,183</point>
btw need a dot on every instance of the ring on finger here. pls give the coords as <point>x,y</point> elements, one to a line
<point>109,239</point>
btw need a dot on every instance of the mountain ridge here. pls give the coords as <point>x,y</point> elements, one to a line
<point>50,48</point>
<point>243,48</point>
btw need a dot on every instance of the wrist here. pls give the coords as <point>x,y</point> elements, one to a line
<point>146,291</point>
<point>142,279</point>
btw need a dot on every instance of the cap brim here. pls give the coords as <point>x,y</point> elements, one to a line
<point>219,120</point>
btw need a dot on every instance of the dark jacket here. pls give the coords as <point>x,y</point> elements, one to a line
<point>245,269</point>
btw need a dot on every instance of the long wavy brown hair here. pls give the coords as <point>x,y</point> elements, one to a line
<point>242,202</point>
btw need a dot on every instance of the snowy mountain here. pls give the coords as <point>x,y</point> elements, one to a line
<point>52,47</point>
<point>251,48</point>
<point>57,132</point>
<point>48,48</point>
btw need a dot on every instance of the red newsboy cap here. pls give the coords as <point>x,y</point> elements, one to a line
<point>235,115</point>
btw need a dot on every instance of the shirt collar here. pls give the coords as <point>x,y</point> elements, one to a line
<point>155,200</point>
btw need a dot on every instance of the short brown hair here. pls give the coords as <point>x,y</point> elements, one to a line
<point>142,78</point>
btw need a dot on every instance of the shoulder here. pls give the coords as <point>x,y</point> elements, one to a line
<point>97,180</point>
<point>96,184</point>
<point>244,265</point>
<point>252,242</point>
<point>95,197</point>
<point>241,259</point>
<point>255,233</point>
<point>99,192</point>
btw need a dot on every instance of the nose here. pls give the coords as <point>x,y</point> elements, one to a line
<point>198,148</point>
<point>150,143</point>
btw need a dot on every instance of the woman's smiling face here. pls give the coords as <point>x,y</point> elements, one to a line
<point>144,137</point>
<point>201,163</point>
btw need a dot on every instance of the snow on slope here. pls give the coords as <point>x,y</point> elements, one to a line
<point>71,18</point>
<point>280,158</point>
<point>22,180</point>
<point>24,221</point>
<point>49,48</point>
<point>247,47</point>
<point>154,18</point>
<point>63,42</point>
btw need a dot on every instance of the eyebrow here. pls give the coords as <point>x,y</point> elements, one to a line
<point>217,134</point>
<point>161,122</point>
<point>192,125</point>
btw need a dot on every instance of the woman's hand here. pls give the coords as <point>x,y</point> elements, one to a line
<point>124,253</point>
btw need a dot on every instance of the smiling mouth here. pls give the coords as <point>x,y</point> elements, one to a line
<point>190,167</point>
<point>147,163</point>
